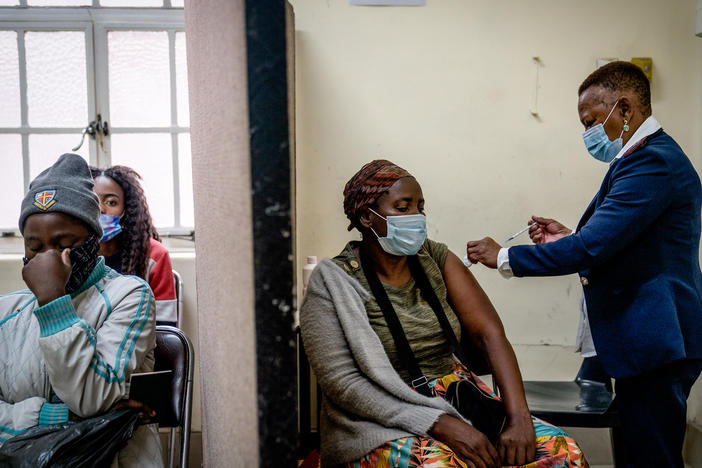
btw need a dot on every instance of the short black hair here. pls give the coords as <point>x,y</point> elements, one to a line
<point>618,76</point>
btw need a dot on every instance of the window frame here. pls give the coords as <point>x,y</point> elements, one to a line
<point>24,130</point>
<point>96,22</point>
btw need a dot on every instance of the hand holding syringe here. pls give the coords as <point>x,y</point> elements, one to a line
<point>468,263</point>
<point>545,230</point>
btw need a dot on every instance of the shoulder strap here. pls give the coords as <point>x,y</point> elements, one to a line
<point>419,381</point>
<point>420,277</point>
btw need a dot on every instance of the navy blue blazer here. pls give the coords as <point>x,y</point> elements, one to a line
<point>636,249</point>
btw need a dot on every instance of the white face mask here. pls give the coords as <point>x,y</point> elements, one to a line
<point>405,234</point>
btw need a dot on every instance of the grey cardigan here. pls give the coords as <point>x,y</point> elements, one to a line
<point>366,403</point>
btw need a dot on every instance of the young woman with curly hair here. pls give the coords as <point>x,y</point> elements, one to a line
<point>130,243</point>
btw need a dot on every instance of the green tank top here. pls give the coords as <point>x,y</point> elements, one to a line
<point>427,340</point>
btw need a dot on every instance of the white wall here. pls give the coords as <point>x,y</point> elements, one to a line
<point>11,273</point>
<point>184,263</point>
<point>446,90</point>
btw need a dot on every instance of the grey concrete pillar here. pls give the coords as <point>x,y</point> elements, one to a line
<point>217,75</point>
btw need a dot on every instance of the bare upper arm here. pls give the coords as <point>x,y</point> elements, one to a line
<point>472,305</point>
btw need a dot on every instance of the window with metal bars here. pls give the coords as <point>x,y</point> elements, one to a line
<point>117,77</point>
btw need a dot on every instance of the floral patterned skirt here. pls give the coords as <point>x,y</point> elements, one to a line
<point>554,447</point>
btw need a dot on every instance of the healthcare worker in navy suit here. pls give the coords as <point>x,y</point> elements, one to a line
<point>636,250</point>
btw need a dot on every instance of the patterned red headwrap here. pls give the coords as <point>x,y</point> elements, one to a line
<point>364,188</point>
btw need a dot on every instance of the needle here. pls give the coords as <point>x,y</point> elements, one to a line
<point>519,233</point>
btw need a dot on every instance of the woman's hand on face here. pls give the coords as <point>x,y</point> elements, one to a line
<point>517,443</point>
<point>545,230</point>
<point>46,275</point>
<point>469,444</point>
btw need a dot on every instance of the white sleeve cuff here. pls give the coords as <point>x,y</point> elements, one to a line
<point>503,263</point>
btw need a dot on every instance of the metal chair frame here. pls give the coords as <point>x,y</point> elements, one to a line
<point>178,280</point>
<point>186,411</point>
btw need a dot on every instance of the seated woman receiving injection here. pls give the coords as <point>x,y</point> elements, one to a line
<point>130,243</point>
<point>376,412</point>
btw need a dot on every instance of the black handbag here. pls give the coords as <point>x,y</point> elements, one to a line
<point>485,412</point>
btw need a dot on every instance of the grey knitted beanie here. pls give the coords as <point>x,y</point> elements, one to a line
<point>66,187</point>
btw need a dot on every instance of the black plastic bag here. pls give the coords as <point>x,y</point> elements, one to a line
<point>91,442</point>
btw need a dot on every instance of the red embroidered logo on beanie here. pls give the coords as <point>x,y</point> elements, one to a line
<point>44,199</point>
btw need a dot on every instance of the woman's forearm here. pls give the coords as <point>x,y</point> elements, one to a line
<point>505,369</point>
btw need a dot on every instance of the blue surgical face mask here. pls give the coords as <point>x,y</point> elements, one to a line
<point>405,234</point>
<point>110,226</point>
<point>598,143</point>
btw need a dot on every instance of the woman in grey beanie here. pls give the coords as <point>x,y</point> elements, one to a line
<point>69,343</point>
<point>67,187</point>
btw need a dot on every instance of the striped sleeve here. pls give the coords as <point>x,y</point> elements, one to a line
<point>53,413</point>
<point>89,368</point>
<point>16,418</point>
<point>56,316</point>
